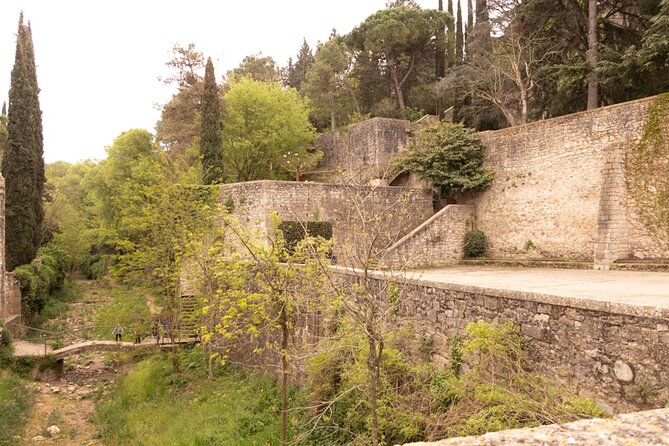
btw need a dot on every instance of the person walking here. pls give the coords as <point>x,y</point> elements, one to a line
<point>118,332</point>
<point>138,334</point>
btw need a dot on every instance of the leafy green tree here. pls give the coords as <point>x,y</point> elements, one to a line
<point>211,140</point>
<point>263,122</point>
<point>329,85</point>
<point>397,38</point>
<point>123,188</point>
<point>256,67</point>
<point>450,156</point>
<point>68,211</point>
<point>22,162</point>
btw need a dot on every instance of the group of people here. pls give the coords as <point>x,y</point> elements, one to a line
<point>159,330</point>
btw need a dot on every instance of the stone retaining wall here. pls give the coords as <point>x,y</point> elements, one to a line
<point>438,241</point>
<point>608,350</point>
<point>639,428</point>
<point>357,213</point>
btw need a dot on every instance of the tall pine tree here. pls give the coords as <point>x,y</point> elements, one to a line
<point>297,73</point>
<point>23,163</point>
<point>211,138</point>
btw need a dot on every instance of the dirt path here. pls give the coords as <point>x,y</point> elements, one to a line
<point>69,402</point>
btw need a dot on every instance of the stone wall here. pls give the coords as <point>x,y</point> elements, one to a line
<point>560,184</point>
<point>362,151</point>
<point>438,241</point>
<point>640,428</point>
<point>356,213</point>
<point>608,350</point>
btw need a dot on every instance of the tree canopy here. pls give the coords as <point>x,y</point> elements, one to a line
<point>263,122</point>
<point>22,162</point>
<point>449,156</point>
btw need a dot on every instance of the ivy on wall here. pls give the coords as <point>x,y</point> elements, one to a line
<point>647,172</point>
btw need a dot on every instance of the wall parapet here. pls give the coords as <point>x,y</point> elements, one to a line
<point>606,348</point>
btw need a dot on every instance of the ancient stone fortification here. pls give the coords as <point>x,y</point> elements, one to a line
<point>362,151</point>
<point>560,184</point>
<point>559,188</point>
<point>436,241</point>
<point>348,208</point>
<point>10,293</point>
<point>639,428</point>
<point>610,351</point>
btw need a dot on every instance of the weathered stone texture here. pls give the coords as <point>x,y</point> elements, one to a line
<point>391,212</point>
<point>608,350</point>
<point>362,151</point>
<point>438,241</point>
<point>650,428</point>
<point>561,184</point>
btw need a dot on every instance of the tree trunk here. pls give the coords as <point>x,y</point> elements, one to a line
<point>283,321</point>
<point>333,122</point>
<point>398,88</point>
<point>373,365</point>
<point>591,55</point>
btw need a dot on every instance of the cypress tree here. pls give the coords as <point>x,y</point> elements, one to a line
<point>451,37</point>
<point>23,163</point>
<point>211,138</point>
<point>458,35</point>
<point>469,28</point>
<point>440,49</point>
<point>4,109</point>
<point>481,40</point>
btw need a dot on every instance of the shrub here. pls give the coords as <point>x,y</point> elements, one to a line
<point>37,283</point>
<point>5,337</point>
<point>294,231</point>
<point>475,244</point>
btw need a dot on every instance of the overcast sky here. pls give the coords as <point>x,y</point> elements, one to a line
<point>98,62</point>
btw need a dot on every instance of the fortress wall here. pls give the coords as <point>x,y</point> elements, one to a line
<point>348,208</point>
<point>557,181</point>
<point>438,241</point>
<point>363,150</point>
<point>608,350</point>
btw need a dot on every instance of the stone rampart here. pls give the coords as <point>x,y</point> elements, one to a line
<point>362,151</point>
<point>438,241</point>
<point>610,351</point>
<point>639,428</point>
<point>560,183</point>
<point>356,213</point>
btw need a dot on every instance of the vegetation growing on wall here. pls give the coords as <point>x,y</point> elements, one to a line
<point>647,172</point>
<point>450,156</point>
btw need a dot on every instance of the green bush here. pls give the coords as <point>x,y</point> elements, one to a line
<point>5,337</point>
<point>38,283</point>
<point>294,231</point>
<point>474,244</point>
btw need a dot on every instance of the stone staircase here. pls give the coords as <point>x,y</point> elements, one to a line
<point>189,316</point>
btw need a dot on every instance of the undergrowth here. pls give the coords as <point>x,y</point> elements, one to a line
<point>152,406</point>
<point>128,308</point>
<point>15,402</point>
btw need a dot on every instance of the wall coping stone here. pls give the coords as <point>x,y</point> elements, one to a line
<point>623,309</point>
<point>638,428</point>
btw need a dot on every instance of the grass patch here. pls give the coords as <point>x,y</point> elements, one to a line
<point>127,307</point>
<point>15,402</point>
<point>153,406</point>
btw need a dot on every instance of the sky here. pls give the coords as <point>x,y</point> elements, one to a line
<point>99,62</point>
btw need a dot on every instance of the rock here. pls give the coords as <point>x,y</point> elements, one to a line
<point>623,372</point>
<point>55,389</point>
<point>71,389</point>
<point>38,438</point>
<point>53,430</point>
